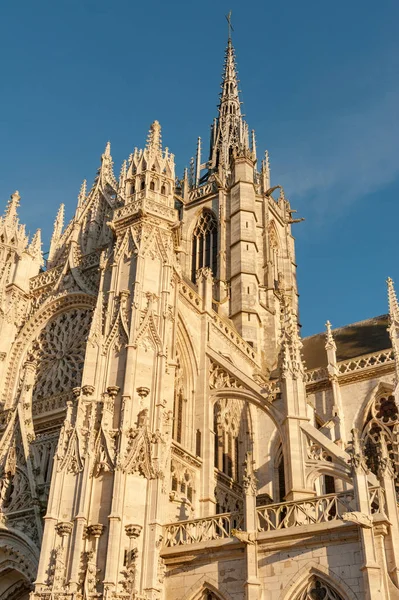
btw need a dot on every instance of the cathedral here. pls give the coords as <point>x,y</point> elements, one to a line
<point>165,433</point>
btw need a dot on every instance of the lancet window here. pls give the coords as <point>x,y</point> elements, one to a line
<point>279,476</point>
<point>179,402</point>
<point>382,419</point>
<point>231,427</point>
<point>205,244</point>
<point>316,589</point>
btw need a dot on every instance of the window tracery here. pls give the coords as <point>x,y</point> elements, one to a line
<point>232,436</point>
<point>317,589</point>
<point>382,419</point>
<point>205,244</point>
<point>182,480</point>
<point>59,352</point>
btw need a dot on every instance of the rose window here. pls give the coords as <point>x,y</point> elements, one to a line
<point>59,352</point>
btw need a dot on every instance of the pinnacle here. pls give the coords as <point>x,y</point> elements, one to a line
<point>107,151</point>
<point>35,247</point>
<point>329,335</point>
<point>154,142</point>
<point>392,300</point>
<point>13,203</point>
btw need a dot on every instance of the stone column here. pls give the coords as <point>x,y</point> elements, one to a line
<point>371,569</point>
<point>252,586</point>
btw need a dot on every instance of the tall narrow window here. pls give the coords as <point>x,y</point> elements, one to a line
<point>382,420</point>
<point>205,244</point>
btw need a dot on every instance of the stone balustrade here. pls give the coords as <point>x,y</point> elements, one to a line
<point>311,511</point>
<point>202,530</point>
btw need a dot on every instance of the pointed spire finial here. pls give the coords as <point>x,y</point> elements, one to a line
<point>107,151</point>
<point>330,342</point>
<point>122,175</point>
<point>35,247</point>
<point>12,206</point>
<point>253,144</point>
<point>154,142</point>
<point>392,301</point>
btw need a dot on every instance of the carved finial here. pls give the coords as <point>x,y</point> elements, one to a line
<point>82,192</point>
<point>107,151</point>
<point>12,206</point>
<point>253,144</point>
<point>57,232</point>
<point>330,343</point>
<point>357,456</point>
<point>198,162</point>
<point>154,143</point>
<point>392,301</point>
<point>122,175</point>
<point>35,247</point>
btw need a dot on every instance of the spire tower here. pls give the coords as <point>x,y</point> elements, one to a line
<point>229,132</point>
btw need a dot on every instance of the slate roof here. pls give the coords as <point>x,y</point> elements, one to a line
<point>352,341</point>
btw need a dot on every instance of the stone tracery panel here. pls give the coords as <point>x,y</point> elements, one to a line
<point>316,589</point>
<point>382,419</point>
<point>59,351</point>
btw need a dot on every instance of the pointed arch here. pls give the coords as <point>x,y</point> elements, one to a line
<point>204,252</point>
<point>297,584</point>
<point>207,584</point>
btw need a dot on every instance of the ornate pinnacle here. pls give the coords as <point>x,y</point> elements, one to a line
<point>154,143</point>
<point>35,247</point>
<point>82,192</point>
<point>253,144</point>
<point>330,343</point>
<point>123,173</point>
<point>392,301</point>
<point>11,210</point>
<point>107,151</point>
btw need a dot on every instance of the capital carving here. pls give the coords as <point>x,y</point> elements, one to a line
<point>63,528</point>
<point>133,531</point>
<point>95,529</point>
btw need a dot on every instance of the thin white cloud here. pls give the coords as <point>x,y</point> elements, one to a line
<point>346,158</point>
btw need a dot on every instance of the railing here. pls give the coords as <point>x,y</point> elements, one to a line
<point>305,512</point>
<point>377,500</point>
<point>365,362</point>
<point>352,365</point>
<point>202,530</point>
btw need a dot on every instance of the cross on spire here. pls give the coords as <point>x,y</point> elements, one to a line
<point>229,25</point>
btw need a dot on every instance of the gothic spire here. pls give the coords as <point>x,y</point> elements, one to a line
<point>229,132</point>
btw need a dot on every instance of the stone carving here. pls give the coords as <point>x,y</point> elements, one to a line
<point>59,352</point>
<point>219,378</point>
<point>359,518</point>
<point>138,458</point>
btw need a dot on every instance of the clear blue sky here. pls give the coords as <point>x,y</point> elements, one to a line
<point>320,85</point>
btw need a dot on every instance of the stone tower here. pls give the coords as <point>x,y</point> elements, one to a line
<point>162,437</point>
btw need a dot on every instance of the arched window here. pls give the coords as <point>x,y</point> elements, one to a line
<point>205,244</point>
<point>142,184</point>
<point>132,189</point>
<point>279,476</point>
<point>163,190</point>
<point>152,185</point>
<point>382,419</point>
<point>317,589</point>
<point>226,419</point>
<point>178,403</point>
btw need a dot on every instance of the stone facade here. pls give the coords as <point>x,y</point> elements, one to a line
<point>162,436</point>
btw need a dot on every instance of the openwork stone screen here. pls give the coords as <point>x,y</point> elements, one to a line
<point>205,244</point>
<point>59,352</point>
<point>317,589</point>
<point>382,419</point>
